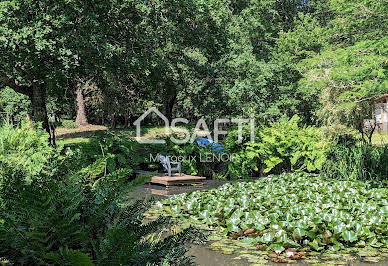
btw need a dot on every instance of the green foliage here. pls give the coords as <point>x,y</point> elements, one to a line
<point>358,21</point>
<point>122,152</point>
<point>245,161</point>
<point>349,72</point>
<point>306,39</point>
<point>69,257</point>
<point>358,162</point>
<point>302,211</point>
<point>24,147</point>
<point>229,58</point>
<point>283,146</point>
<point>348,80</point>
<point>70,216</point>
<point>113,151</point>
<point>13,106</point>
<point>293,147</point>
<point>68,124</point>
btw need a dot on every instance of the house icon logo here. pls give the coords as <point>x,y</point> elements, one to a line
<point>137,123</point>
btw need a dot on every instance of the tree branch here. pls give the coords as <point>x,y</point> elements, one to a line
<point>13,84</point>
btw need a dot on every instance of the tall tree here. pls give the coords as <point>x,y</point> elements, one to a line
<point>46,45</point>
<point>39,48</point>
<point>81,119</point>
<point>350,72</point>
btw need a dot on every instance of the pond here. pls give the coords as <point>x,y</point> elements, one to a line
<point>207,257</point>
<point>203,254</point>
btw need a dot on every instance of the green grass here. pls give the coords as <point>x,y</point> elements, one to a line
<point>380,138</point>
<point>80,135</point>
<point>72,141</point>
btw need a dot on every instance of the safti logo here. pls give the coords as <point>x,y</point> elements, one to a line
<point>201,124</point>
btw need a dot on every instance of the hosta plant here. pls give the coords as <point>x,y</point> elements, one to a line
<point>284,146</point>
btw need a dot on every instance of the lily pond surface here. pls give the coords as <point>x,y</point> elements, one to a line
<point>292,218</point>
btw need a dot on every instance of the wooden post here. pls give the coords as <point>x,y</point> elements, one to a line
<point>382,113</point>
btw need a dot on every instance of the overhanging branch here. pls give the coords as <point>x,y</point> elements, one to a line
<point>13,84</point>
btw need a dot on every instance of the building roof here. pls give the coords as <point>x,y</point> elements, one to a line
<point>382,97</point>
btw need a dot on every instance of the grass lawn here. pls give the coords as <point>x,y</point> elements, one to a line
<point>82,134</point>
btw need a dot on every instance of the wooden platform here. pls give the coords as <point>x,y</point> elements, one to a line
<point>176,180</point>
<point>163,185</point>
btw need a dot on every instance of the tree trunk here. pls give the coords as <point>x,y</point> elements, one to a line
<point>39,111</point>
<point>126,120</point>
<point>81,119</point>
<point>37,95</point>
<point>113,124</point>
<point>168,107</point>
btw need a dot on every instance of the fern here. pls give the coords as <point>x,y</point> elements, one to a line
<point>66,216</point>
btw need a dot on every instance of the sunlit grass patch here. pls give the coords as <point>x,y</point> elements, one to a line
<point>380,138</point>
<point>72,141</point>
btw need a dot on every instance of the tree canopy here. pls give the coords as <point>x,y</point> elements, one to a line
<point>324,60</point>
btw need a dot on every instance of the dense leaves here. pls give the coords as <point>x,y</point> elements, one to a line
<point>324,60</point>
<point>302,211</point>
<point>282,146</point>
<point>13,106</point>
<point>349,80</point>
<point>25,148</point>
<point>363,162</point>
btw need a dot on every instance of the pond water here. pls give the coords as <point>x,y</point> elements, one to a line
<point>206,257</point>
<point>202,254</point>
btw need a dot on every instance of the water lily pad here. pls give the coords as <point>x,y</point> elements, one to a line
<point>302,211</point>
<point>336,262</point>
<point>373,259</point>
<point>214,238</point>
<point>367,253</point>
<point>331,256</point>
<point>312,261</point>
<point>227,251</point>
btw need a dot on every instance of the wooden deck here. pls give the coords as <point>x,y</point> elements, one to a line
<point>176,180</point>
<point>175,184</point>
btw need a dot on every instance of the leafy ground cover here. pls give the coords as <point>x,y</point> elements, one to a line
<point>290,216</point>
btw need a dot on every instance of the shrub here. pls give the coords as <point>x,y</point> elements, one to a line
<point>68,124</point>
<point>119,151</point>
<point>245,161</point>
<point>14,104</point>
<point>24,147</point>
<point>283,146</point>
<point>363,162</point>
<point>287,146</point>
